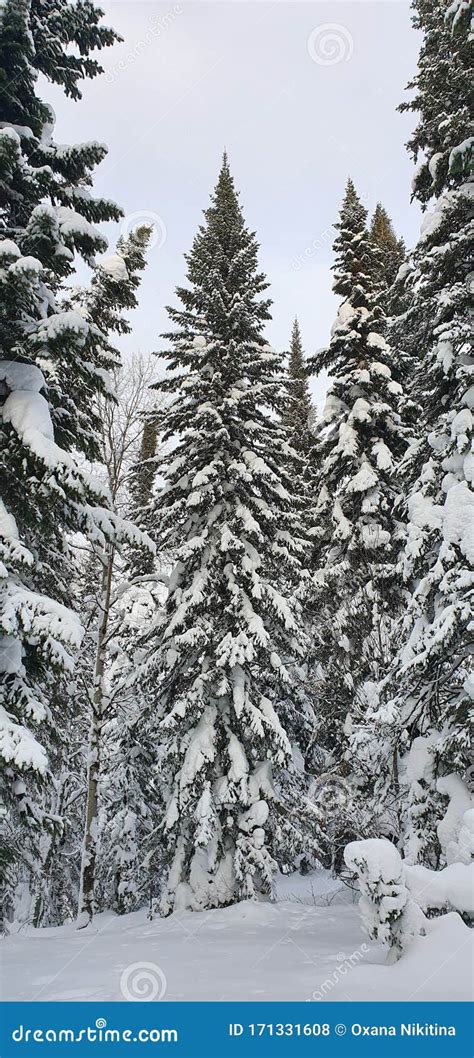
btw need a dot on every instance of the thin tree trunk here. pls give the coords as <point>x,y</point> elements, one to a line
<point>89,853</point>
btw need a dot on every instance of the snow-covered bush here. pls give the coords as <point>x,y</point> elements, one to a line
<point>389,913</point>
<point>395,894</point>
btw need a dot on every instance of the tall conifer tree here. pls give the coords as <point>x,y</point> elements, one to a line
<point>356,532</point>
<point>52,360</point>
<point>220,657</point>
<point>429,699</point>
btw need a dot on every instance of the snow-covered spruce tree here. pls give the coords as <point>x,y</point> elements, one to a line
<point>47,215</point>
<point>428,700</point>
<point>219,656</point>
<point>355,528</point>
<point>47,205</point>
<point>298,414</point>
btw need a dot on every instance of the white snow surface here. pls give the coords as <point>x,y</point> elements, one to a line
<point>453,886</point>
<point>458,518</point>
<point>306,946</point>
<point>114,265</point>
<point>73,224</point>
<point>26,377</point>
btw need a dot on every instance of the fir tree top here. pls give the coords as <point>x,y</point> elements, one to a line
<point>392,249</point>
<point>357,279</point>
<point>354,257</point>
<point>222,271</point>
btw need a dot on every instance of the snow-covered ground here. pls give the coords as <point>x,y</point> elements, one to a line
<point>306,946</point>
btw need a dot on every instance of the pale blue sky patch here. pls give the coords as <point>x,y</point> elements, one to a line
<point>301,94</point>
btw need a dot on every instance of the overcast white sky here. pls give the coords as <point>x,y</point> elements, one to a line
<point>298,106</point>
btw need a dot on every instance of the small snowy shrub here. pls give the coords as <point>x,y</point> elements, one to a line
<point>388,912</point>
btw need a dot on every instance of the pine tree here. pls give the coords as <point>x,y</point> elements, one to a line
<point>392,249</point>
<point>355,528</point>
<point>218,666</point>
<point>428,698</point>
<point>47,217</point>
<point>298,415</point>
